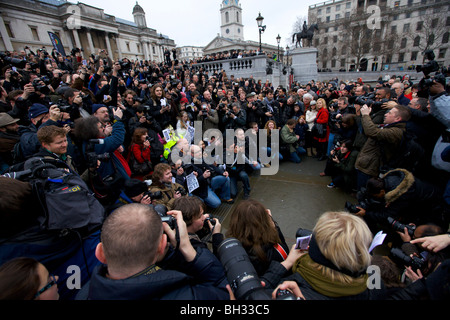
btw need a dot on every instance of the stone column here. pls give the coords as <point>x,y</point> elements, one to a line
<point>77,38</point>
<point>108,45</point>
<point>5,36</point>
<point>145,47</point>
<point>91,43</point>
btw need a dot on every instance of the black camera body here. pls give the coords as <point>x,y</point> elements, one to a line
<point>413,262</point>
<point>92,157</point>
<point>430,66</point>
<point>400,227</point>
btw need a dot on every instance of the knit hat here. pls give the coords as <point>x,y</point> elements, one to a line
<point>134,187</point>
<point>184,100</point>
<point>6,119</point>
<point>36,110</point>
<point>95,107</point>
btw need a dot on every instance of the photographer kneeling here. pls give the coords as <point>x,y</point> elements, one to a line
<point>162,181</point>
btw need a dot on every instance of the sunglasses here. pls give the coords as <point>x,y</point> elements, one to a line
<point>46,287</point>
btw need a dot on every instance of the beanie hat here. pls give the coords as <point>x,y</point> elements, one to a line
<point>36,110</point>
<point>95,107</point>
<point>134,187</point>
<point>184,100</point>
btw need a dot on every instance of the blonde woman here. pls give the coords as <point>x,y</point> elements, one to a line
<point>335,264</point>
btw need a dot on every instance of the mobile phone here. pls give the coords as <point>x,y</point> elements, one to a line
<point>303,242</point>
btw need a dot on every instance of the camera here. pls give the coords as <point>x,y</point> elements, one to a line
<point>171,221</point>
<point>18,63</point>
<point>63,106</point>
<point>154,195</point>
<point>430,66</point>
<point>241,273</point>
<point>91,156</point>
<point>364,201</point>
<point>398,226</point>
<point>413,262</point>
<point>41,88</point>
<point>181,191</point>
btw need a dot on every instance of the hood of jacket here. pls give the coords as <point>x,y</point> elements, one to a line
<point>159,284</point>
<point>397,183</point>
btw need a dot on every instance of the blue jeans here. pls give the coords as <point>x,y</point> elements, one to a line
<point>295,156</point>
<point>330,143</point>
<point>218,182</point>
<point>242,176</point>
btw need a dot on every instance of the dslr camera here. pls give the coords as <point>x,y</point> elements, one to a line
<point>414,262</point>
<point>400,227</point>
<point>430,66</point>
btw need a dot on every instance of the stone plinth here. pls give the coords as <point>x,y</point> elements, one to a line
<point>304,64</point>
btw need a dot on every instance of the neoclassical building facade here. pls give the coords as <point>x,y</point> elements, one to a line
<point>27,23</point>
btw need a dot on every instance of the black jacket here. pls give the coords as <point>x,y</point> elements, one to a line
<point>203,279</point>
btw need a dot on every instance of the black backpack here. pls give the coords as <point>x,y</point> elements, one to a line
<point>64,198</point>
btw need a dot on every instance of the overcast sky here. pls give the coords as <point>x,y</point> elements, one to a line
<point>197,22</point>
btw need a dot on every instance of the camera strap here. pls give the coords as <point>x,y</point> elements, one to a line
<point>280,250</point>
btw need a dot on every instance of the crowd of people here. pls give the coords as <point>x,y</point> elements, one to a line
<point>117,125</point>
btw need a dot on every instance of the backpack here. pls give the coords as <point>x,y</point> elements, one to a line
<point>17,154</point>
<point>63,197</point>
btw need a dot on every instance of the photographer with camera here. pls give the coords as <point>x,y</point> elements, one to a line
<point>162,181</point>
<point>111,173</point>
<point>235,118</point>
<point>382,140</point>
<point>401,196</point>
<point>160,108</point>
<point>209,117</point>
<point>134,241</point>
<point>197,221</point>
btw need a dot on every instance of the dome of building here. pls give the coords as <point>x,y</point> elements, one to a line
<point>138,9</point>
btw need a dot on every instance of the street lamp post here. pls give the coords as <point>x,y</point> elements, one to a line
<point>278,41</point>
<point>261,29</point>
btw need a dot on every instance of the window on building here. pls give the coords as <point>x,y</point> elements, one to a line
<point>395,17</point>
<point>342,63</point>
<point>414,55</point>
<point>410,2</point>
<point>334,52</point>
<point>319,11</point>
<point>325,40</point>
<point>445,38</point>
<point>393,29</point>
<point>407,15</point>
<point>348,5</point>
<point>447,23</point>
<point>328,10</point>
<point>401,57</point>
<point>388,58</point>
<point>442,52</point>
<point>128,46</point>
<point>419,26</point>
<point>406,27</point>
<point>34,33</point>
<point>138,47</point>
<point>333,63</point>
<point>347,14</point>
<point>335,39</point>
<point>416,41</point>
<point>434,22</point>
<point>430,40</point>
<point>338,7</point>
<point>337,17</point>
<point>153,50</point>
<point>227,17</point>
<point>327,19</point>
<point>8,30</point>
<point>237,16</point>
<point>403,43</point>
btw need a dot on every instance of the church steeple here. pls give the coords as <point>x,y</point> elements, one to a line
<point>231,16</point>
<point>139,16</point>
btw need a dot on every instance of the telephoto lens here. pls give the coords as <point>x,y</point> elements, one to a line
<point>241,274</point>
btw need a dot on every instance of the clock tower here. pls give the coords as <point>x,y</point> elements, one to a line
<point>231,16</point>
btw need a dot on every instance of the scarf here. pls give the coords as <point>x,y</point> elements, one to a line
<point>305,266</point>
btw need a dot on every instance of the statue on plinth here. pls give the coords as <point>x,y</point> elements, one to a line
<point>306,33</point>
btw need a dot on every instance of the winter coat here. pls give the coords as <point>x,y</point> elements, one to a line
<point>288,137</point>
<point>322,118</point>
<point>370,157</point>
<point>202,279</point>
